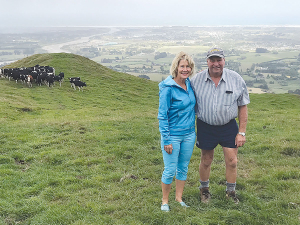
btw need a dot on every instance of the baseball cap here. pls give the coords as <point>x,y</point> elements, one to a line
<point>215,52</point>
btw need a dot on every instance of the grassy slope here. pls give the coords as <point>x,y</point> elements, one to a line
<point>93,157</point>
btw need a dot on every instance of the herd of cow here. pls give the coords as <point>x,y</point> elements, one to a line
<point>39,75</point>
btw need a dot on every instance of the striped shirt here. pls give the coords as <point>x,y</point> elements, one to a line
<point>218,105</point>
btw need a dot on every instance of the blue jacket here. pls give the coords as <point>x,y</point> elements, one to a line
<point>176,111</point>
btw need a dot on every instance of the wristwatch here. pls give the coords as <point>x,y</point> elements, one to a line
<point>242,133</point>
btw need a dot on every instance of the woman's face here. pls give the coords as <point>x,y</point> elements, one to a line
<point>184,69</point>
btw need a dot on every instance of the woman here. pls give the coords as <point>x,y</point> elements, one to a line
<point>176,116</point>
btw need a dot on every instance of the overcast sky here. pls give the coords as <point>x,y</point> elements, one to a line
<point>41,13</point>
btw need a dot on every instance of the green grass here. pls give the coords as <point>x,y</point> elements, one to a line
<point>93,157</point>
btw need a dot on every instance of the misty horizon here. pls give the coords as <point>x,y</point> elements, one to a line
<point>17,14</point>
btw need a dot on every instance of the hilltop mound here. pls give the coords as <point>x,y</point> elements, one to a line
<point>101,81</point>
<point>71,64</point>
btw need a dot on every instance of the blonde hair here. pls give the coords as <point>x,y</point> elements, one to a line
<point>181,56</point>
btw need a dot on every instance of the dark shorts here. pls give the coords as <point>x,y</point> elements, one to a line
<point>209,136</point>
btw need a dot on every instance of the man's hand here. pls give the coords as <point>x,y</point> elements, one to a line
<point>240,140</point>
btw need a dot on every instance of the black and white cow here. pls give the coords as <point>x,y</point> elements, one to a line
<point>72,79</point>
<point>59,78</point>
<point>41,74</point>
<point>78,84</point>
<point>50,79</point>
<point>41,77</point>
<point>15,74</point>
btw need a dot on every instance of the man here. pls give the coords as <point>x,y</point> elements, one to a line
<point>221,96</point>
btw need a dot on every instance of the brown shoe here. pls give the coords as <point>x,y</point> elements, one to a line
<point>232,195</point>
<point>205,194</point>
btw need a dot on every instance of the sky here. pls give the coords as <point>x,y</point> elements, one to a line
<point>53,13</point>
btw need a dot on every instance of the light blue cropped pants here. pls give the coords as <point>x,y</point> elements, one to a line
<point>178,162</point>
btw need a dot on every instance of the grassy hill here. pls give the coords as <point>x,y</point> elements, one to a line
<point>93,157</point>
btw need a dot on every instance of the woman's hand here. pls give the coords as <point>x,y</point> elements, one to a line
<point>168,148</point>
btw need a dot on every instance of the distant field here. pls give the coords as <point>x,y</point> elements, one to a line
<point>133,50</point>
<point>255,90</point>
<point>4,58</point>
<point>253,58</point>
<point>153,76</point>
<point>188,49</point>
<point>146,60</point>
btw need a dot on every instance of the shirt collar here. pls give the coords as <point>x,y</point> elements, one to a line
<point>207,75</point>
<point>224,76</point>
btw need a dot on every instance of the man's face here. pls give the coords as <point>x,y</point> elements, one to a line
<point>215,64</point>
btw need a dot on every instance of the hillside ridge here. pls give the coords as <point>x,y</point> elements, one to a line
<point>74,65</point>
<point>52,59</point>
